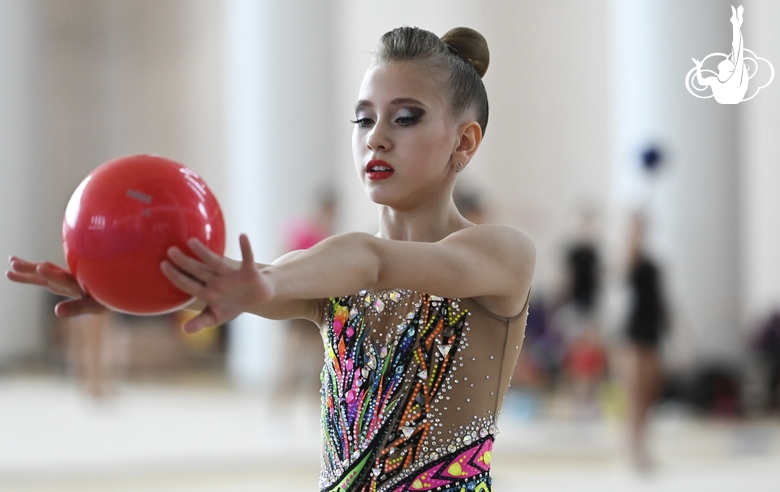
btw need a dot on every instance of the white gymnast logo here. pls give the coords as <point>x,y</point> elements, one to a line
<point>730,84</point>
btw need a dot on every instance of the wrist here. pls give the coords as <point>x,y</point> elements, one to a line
<point>268,277</point>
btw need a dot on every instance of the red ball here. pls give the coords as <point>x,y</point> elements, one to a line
<point>122,219</point>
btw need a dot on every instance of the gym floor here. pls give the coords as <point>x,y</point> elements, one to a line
<point>208,438</point>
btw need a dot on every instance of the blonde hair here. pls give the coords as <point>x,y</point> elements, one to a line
<point>461,55</point>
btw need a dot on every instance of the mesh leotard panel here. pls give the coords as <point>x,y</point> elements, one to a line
<point>412,388</point>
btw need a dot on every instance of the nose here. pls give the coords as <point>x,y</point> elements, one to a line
<point>377,139</point>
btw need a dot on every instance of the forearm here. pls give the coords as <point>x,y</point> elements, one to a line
<point>338,266</point>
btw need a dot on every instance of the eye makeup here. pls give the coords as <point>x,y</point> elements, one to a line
<point>409,116</point>
<point>405,117</point>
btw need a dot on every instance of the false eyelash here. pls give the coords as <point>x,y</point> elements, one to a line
<point>360,121</point>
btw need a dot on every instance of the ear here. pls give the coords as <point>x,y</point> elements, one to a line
<point>469,138</point>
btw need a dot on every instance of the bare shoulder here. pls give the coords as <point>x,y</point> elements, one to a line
<point>511,256</point>
<point>507,243</point>
<point>498,231</point>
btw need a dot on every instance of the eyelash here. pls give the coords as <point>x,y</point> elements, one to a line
<point>402,120</point>
<point>361,122</point>
<point>409,120</point>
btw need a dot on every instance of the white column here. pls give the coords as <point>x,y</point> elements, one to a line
<point>20,330</point>
<point>279,144</point>
<point>693,205</point>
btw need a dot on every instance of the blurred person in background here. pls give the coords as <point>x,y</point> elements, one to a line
<point>584,268</point>
<point>576,308</point>
<point>647,320</point>
<point>585,367</point>
<point>584,360</point>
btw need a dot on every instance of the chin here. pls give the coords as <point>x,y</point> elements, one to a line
<point>383,197</point>
<point>380,198</point>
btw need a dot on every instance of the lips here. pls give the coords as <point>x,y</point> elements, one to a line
<point>378,169</point>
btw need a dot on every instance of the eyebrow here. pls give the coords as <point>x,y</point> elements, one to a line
<point>362,103</point>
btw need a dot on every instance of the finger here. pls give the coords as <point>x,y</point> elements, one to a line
<point>199,322</point>
<point>60,281</point>
<point>247,257</point>
<point>190,265</point>
<point>25,278</point>
<point>209,257</point>
<point>77,307</point>
<point>180,280</point>
<point>22,266</point>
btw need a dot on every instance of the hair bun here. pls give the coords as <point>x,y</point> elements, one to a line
<point>469,45</point>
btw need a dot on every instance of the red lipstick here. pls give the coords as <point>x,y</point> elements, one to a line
<point>378,169</point>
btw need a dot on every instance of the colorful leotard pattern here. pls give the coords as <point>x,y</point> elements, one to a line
<point>391,361</point>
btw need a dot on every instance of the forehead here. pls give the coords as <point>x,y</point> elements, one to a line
<point>394,81</point>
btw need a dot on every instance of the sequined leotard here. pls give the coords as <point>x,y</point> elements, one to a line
<point>411,391</point>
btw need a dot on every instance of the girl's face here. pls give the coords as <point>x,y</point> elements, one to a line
<point>404,136</point>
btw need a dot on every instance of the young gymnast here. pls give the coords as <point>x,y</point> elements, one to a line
<point>423,322</point>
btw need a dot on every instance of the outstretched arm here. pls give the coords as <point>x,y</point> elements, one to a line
<point>491,262</point>
<point>61,282</point>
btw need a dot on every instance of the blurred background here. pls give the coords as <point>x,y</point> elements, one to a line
<point>652,357</point>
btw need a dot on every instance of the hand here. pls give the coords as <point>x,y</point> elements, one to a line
<point>697,62</point>
<point>228,289</point>
<point>59,281</point>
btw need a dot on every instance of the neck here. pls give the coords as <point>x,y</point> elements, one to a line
<point>428,222</point>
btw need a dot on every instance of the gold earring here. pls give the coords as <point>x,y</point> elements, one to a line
<point>458,167</point>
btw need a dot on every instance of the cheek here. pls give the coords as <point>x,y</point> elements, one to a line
<point>357,147</point>
<point>434,148</point>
